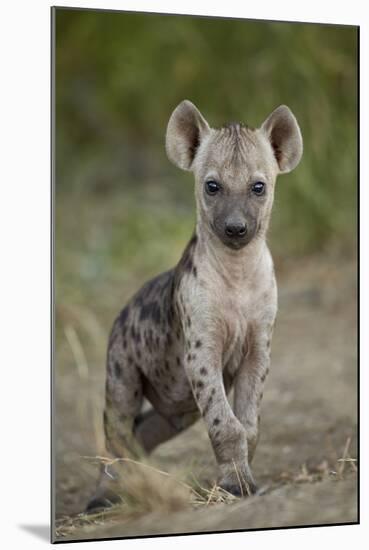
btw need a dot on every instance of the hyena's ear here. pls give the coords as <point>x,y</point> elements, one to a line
<point>284,134</point>
<point>186,128</point>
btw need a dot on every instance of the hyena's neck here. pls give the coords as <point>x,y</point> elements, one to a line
<point>235,267</point>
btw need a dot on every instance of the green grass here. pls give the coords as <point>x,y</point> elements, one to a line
<point>120,75</point>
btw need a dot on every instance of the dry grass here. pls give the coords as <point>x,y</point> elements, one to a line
<point>323,470</point>
<point>148,488</point>
<point>145,489</point>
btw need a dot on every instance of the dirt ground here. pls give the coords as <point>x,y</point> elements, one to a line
<point>306,458</point>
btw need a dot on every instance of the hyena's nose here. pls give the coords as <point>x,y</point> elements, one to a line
<point>235,229</point>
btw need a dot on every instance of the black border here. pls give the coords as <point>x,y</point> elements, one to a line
<point>358,264</point>
<point>52,260</point>
<point>53,10</point>
<point>155,536</point>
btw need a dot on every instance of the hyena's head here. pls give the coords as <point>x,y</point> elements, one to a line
<point>235,168</point>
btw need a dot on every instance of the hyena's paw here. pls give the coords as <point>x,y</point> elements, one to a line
<point>240,484</point>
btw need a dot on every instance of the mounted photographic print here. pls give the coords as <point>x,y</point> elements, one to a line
<point>205,191</point>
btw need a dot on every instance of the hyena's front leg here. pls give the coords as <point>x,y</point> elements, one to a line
<point>249,382</point>
<point>227,435</point>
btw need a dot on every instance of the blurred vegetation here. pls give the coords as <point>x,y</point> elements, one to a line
<point>123,212</point>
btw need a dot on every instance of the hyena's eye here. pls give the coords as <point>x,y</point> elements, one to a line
<point>212,187</point>
<point>258,188</point>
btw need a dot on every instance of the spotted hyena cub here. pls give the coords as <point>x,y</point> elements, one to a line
<point>190,334</point>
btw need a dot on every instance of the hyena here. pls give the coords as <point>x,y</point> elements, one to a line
<point>190,334</point>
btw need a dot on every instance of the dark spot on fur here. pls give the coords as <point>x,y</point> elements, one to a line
<point>188,266</point>
<point>166,387</point>
<point>123,316</point>
<point>207,406</point>
<point>197,395</point>
<point>194,271</point>
<point>193,240</point>
<point>117,369</point>
<point>212,391</point>
<point>198,344</point>
<point>167,367</point>
<point>157,341</point>
<point>264,375</point>
<point>138,353</point>
<point>216,443</point>
<point>200,384</point>
<point>130,359</point>
<point>169,340</point>
<point>188,321</point>
<point>189,357</point>
<point>172,378</point>
<point>203,371</point>
<point>136,393</point>
<point>216,421</point>
<point>151,311</point>
<point>268,344</point>
<point>178,361</point>
<point>193,356</point>
<point>124,344</point>
<point>186,262</point>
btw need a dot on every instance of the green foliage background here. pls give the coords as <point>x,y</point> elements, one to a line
<point>122,211</point>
